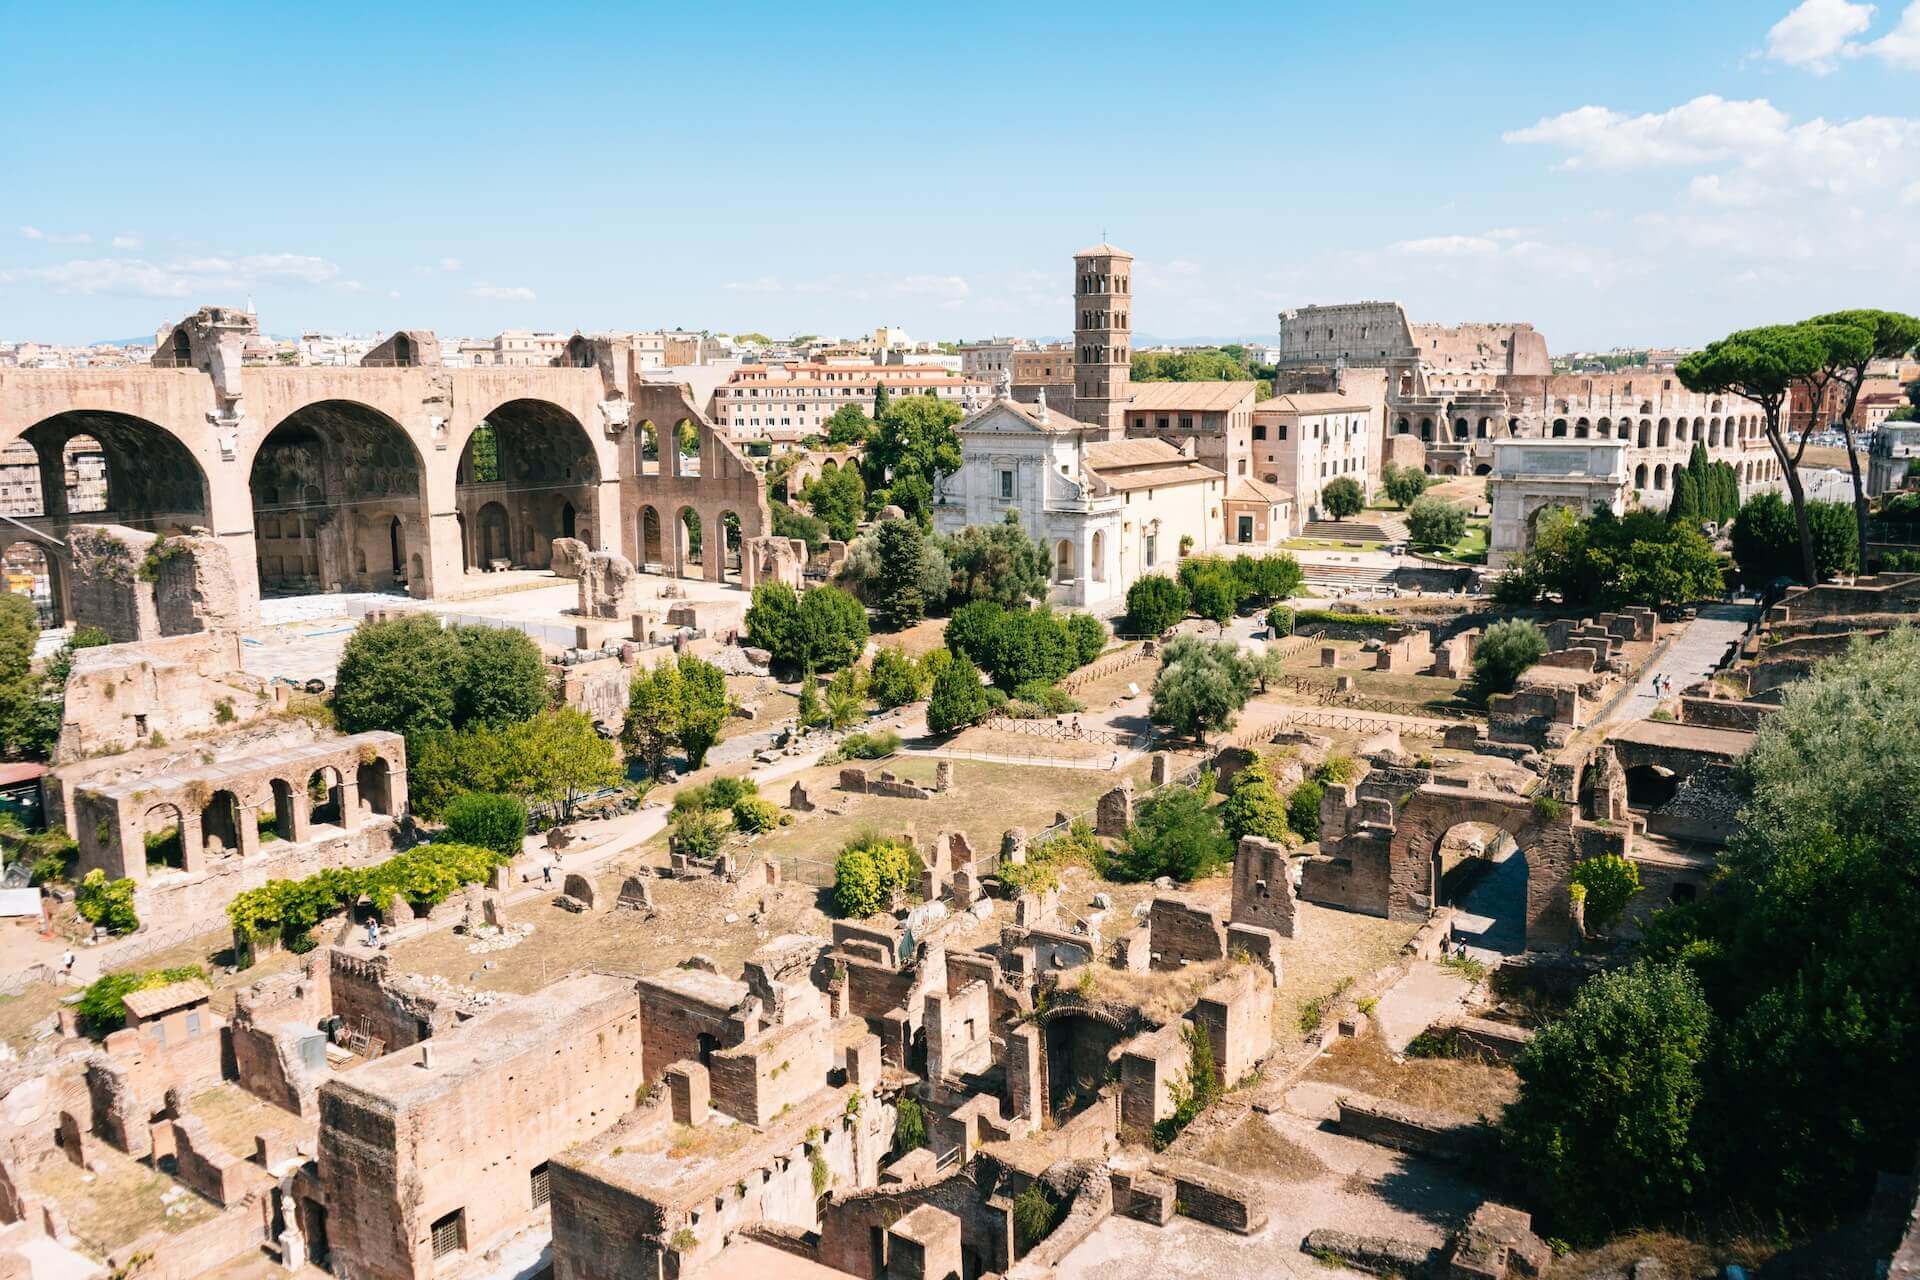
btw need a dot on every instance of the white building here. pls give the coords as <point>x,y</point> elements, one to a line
<point>1304,441</point>
<point>1109,510</point>
<point>785,403</point>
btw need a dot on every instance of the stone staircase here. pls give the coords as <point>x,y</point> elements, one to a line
<point>1371,526</point>
<point>1350,577</point>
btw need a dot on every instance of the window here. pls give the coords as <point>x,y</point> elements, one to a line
<point>1246,528</point>
<point>1259,431</point>
<point>542,1185</point>
<point>193,1022</point>
<point>449,1233</point>
<point>1283,431</point>
<point>1151,554</point>
<point>1186,422</point>
<point>1006,484</point>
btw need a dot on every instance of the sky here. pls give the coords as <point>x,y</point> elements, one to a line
<point>1622,175</point>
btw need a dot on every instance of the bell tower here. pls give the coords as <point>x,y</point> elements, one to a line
<point>1102,336</point>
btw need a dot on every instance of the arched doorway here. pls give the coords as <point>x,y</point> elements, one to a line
<point>325,801</point>
<point>373,778</point>
<point>729,540</point>
<point>1480,871</point>
<point>330,483</point>
<point>1099,555</point>
<point>220,824</point>
<point>1063,561</point>
<point>688,542</point>
<point>286,823</point>
<point>1081,1049</point>
<point>1650,786</point>
<point>652,555</point>
<point>164,833</point>
<point>493,538</point>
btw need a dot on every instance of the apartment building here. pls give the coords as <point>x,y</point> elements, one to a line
<point>1303,441</point>
<point>786,403</point>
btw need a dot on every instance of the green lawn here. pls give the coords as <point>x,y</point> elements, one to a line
<point>1471,549</point>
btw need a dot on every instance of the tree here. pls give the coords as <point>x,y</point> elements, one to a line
<point>1252,806</point>
<point>1766,547</point>
<point>107,903</point>
<point>881,401</point>
<point>809,711</point>
<point>1673,570</point>
<point>1303,808</point>
<point>972,628</point>
<point>788,523</point>
<point>656,702</point>
<point>1201,687</point>
<point>686,437</point>
<point>1343,497</point>
<point>705,705</point>
<point>1604,1124</point>
<point>1155,604</point>
<point>998,562</point>
<point>1213,593</point>
<point>1763,365</point>
<point>1029,645</point>
<point>1505,650</point>
<point>1607,881</point>
<point>838,500</point>
<point>1089,636</point>
<point>958,699</point>
<point>1435,522</point>
<point>849,425</point>
<point>1890,335</point>
<point>1403,484</point>
<point>832,628</point>
<point>895,681</point>
<point>914,447</point>
<point>504,680</point>
<point>1174,833</point>
<point>402,675</point>
<point>869,869</point>
<point>899,601</point>
<point>488,820</point>
<point>560,757</point>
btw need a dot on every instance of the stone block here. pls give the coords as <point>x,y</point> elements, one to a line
<point>924,1245</point>
<point>608,586</point>
<point>1114,813</point>
<point>569,555</point>
<point>636,894</point>
<point>580,889</point>
<point>689,1090</point>
<point>1162,769</point>
<point>863,1062</point>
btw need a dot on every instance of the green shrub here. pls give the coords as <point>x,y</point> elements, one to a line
<point>1306,617</point>
<point>896,679</point>
<point>1281,620</point>
<point>1505,650</point>
<point>872,745</point>
<point>716,795</point>
<point>869,869</point>
<point>1034,1217</point>
<point>1050,698</point>
<point>1253,808</point>
<point>424,876</point>
<point>1154,604</point>
<point>1089,637</point>
<point>107,903</point>
<point>753,815</point>
<point>699,832</point>
<point>489,820</point>
<point>958,699</point>
<point>910,1125</point>
<point>1303,809</point>
<point>1609,881</point>
<point>1337,770</point>
<point>1175,833</point>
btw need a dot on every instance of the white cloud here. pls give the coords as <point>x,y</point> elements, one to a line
<point>951,292</point>
<point>1706,129</point>
<point>56,237</point>
<point>759,284</point>
<point>1447,246</point>
<point>181,278</point>
<point>1817,33</point>
<point>450,264</point>
<point>1901,46</point>
<point>128,242</point>
<point>501,292</point>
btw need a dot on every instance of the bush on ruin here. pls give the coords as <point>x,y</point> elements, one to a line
<point>1608,883</point>
<point>1303,809</point>
<point>754,815</point>
<point>1253,808</point>
<point>102,1006</point>
<point>1034,1216</point>
<point>107,903</point>
<point>1507,649</point>
<point>1175,833</point>
<point>489,820</point>
<point>869,870</point>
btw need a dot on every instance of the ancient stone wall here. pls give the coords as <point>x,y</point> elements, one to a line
<point>1184,933</point>
<point>755,1081</point>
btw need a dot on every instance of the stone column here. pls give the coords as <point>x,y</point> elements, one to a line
<point>713,553</point>
<point>132,848</point>
<point>247,822</point>
<point>396,790</point>
<point>349,800</point>
<point>608,531</point>
<point>300,802</point>
<point>193,842</point>
<point>230,516</point>
<point>438,531</point>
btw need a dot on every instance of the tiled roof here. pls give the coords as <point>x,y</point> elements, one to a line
<point>1193,397</point>
<point>1312,402</point>
<point>1247,489</point>
<point>155,1001</point>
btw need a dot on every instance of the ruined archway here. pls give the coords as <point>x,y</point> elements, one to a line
<point>32,573</point>
<point>374,782</point>
<point>688,543</point>
<point>727,539</point>
<point>325,800</point>
<point>1481,872</point>
<point>1081,1047</point>
<point>1541,828</point>
<point>220,823</point>
<point>533,460</point>
<point>652,547</point>
<point>103,467</point>
<point>338,500</point>
<point>164,832</point>
<point>492,539</point>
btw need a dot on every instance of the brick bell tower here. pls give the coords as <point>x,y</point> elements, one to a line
<point>1102,336</point>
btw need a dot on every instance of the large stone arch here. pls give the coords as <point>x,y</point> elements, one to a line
<point>1543,828</point>
<point>536,460</point>
<point>327,483</point>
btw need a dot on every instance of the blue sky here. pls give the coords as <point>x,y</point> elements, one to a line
<point>1627,174</point>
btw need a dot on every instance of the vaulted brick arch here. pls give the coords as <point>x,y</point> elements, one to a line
<point>1545,832</point>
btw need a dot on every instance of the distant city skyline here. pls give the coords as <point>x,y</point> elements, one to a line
<point>1654,180</point>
